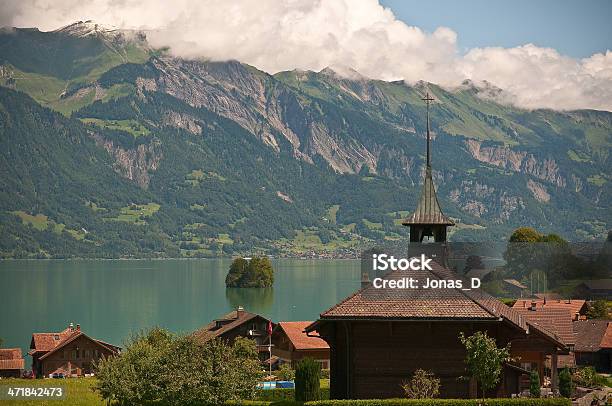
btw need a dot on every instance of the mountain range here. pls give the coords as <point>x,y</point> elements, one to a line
<point>111,148</point>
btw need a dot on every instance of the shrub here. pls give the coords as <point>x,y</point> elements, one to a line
<point>589,378</point>
<point>423,385</point>
<point>325,373</point>
<point>307,380</point>
<point>285,373</point>
<point>534,384</point>
<point>565,383</point>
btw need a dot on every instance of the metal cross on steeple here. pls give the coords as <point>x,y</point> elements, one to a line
<point>428,99</point>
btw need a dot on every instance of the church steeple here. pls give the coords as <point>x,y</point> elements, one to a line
<point>428,219</point>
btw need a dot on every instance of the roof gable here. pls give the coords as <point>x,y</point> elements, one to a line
<point>72,338</point>
<point>228,322</point>
<point>591,335</point>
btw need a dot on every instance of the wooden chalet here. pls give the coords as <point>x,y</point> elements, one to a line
<point>594,344</point>
<point>70,352</point>
<point>594,289</point>
<point>291,344</point>
<point>378,337</point>
<point>238,323</point>
<point>11,363</point>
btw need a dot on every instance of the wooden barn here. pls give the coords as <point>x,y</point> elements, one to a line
<point>379,336</point>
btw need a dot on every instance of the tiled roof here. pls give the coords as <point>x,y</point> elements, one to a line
<point>415,303</point>
<point>11,358</point>
<point>43,342</point>
<point>573,306</point>
<point>555,320</point>
<point>229,321</point>
<point>299,339</point>
<point>48,343</point>
<point>428,210</point>
<point>10,353</point>
<point>442,304</point>
<point>591,334</point>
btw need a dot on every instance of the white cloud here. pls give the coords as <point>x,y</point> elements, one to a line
<point>276,35</point>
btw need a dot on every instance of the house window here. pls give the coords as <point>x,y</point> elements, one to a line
<point>74,354</point>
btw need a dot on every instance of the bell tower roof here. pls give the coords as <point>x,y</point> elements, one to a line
<point>428,211</point>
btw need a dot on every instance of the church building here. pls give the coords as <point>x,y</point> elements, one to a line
<point>378,337</point>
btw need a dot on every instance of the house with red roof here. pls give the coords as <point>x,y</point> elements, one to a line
<point>11,363</point>
<point>577,307</point>
<point>290,343</point>
<point>70,352</point>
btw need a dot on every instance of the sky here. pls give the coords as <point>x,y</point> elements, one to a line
<point>577,28</point>
<point>542,54</point>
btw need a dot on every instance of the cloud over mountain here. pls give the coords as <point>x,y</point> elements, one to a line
<point>276,35</point>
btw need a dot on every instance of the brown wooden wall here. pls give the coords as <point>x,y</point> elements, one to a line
<point>370,359</point>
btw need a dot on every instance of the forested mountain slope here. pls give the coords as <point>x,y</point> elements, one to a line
<point>112,149</point>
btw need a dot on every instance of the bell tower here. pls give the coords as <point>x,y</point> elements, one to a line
<point>428,223</point>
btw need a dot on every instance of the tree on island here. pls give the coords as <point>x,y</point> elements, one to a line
<point>254,273</point>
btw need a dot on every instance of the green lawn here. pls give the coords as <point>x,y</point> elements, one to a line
<point>79,392</point>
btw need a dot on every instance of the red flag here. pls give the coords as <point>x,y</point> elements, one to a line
<point>269,327</point>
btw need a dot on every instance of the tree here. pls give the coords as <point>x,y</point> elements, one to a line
<point>598,310</point>
<point>484,360</point>
<point>534,384</point>
<point>423,385</point>
<point>163,368</point>
<point>307,380</point>
<point>285,373</point>
<point>565,383</point>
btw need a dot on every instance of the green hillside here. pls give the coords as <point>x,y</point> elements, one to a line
<point>110,149</point>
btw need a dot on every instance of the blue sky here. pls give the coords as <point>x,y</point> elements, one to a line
<point>578,28</point>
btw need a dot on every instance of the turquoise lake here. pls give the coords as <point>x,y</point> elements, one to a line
<point>111,299</point>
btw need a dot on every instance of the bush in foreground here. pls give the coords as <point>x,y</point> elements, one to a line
<point>160,367</point>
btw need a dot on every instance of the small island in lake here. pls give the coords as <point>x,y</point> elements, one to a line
<point>254,273</point>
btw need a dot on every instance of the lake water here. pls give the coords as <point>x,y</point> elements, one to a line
<point>111,299</point>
